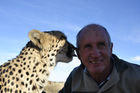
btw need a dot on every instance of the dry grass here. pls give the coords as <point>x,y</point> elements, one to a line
<point>54,87</point>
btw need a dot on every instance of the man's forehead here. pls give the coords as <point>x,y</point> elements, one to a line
<point>90,35</point>
<point>95,32</point>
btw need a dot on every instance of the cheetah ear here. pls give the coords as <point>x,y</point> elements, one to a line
<point>35,36</point>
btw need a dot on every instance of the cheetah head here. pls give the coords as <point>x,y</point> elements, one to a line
<point>53,43</point>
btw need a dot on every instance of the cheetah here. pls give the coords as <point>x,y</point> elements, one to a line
<point>29,71</point>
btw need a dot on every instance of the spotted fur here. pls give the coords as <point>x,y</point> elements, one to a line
<point>29,71</point>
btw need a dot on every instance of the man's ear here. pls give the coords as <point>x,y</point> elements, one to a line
<point>111,47</point>
<point>78,54</point>
<point>35,36</point>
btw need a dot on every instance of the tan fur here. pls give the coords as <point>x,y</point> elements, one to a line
<point>29,71</point>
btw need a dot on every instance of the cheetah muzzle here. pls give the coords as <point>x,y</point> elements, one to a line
<point>29,71</point>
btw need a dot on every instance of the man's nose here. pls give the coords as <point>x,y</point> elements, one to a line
<point>95,52</point>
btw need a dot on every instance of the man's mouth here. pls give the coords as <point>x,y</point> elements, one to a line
<point>95,61</point>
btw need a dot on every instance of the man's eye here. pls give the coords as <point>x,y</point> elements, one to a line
<point>101,44</point>
<point>87,46</point>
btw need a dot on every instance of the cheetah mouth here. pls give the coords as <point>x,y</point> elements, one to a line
<point>71,51</point>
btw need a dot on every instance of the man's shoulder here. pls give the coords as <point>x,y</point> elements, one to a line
<point>123,65</point>
<point>78,69</point>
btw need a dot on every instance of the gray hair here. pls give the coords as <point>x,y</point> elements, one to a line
<point>96,26</point>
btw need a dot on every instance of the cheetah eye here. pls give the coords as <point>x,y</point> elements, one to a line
<point>62,37</point>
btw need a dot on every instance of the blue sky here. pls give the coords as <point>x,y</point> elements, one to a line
<point>120,17</point>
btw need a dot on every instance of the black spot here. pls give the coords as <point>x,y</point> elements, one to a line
<point>10,67</point>
<point>52,46</point>
<point>6,64</point>
<point>43,81</point>
<point>34,67</point>
<point>27,73</point>
<point>40,87</point>
<point>21,75</point>
<point>22,83</point>
<point>37,64</point>
<point>5,75</point>
<point>13,78</point>
<point>52,54</point>
<point>31,82</point>
<point>43,71</point>
<point>8,81</point>
<point>16,91</point>
<point>16,86</point>
<point>19,71</point>
<point>18,60</point>
<point>24,63</point>
<point>5,89</point>
<point>29,49</point>
<point>29,58</point>
<point>55,50</point>
<point>29,89</point>
<point>8,89</point>
<point>43,92</point>
<point>22,53</point>
<point>26,85</point>
<point>32,75</point>
<point>24,68</point>
<point>13,69</point>
<point>40,70</point>
<point>3,79</point>
<point>12,83</point>
<point>27,79</point>
<point>16,65</point>
<point>11,73</point>
<point>4,71</point>
<point>24,59</point>
<point>17,79</point>
<point>20,91</point>
<point>51,59</point>
<point>34,87</point>
<point>52,41</point>
<point>26,53</point>
<point>51,64</point>
<point>44,65</point>
<point>1,91</point>
<point>47,74</point>
<point>11,90</point>
<point>37,79</point>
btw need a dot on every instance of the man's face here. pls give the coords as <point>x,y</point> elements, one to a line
<point>94,51</point>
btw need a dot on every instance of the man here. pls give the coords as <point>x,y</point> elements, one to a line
<point>100,70</point>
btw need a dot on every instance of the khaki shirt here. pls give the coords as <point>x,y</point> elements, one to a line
<point>124,78</point>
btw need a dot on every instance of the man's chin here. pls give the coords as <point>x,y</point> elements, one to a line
<point>96,70</point>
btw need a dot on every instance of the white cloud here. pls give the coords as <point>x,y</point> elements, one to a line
<point>136,58</point>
